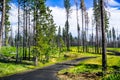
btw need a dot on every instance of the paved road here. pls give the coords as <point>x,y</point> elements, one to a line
<point>116,53</point>
<point>46,73</point>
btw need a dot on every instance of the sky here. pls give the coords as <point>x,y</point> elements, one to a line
<point>60,3</point>
<point>89,3</point>
<point>58,12</point>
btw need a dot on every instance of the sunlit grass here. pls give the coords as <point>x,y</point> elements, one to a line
<point>10,68</point>
<point>94,66</point>
<point>56,57</point>
<point>112,77</point>
<point>114,49</point>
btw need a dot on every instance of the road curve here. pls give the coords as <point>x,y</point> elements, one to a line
<point>46,73</point>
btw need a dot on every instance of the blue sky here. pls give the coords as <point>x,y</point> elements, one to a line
<point>60,3</point>
<point>118,1</point>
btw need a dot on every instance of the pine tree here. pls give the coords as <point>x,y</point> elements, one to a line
<point>3,8</point>
<point>97,22</point>
<point>18,35</point>
<point>63,36</point>
<point>104,57</point>
<point>44,31</point>
<point>113,36</point>
<point>83,11</point>
<point>7,22</point>
<point>59,39</point>
<point>86,30</point>
<point>67,7</point>
<point>78,28</point>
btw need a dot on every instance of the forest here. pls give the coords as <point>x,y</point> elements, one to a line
<point>38,46</point>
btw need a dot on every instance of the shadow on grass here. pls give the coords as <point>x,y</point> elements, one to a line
<point>116,67</point>
<point>90,66</point>
<point>114,52</point>
<point>13,61</point>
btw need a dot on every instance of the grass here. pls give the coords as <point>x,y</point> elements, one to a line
<point>94,66</point>
<point>113,77</point>
<point>8,51</point>
<point>114,49</point>
<point>12,68</point>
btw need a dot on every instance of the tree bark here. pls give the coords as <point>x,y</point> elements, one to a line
<point>18,41</point>
<point>83,30</point>
<point>104,59</point>
<point>78,29</point>
<point>24,30</point>
<point>97,42</point>
<point>2,21</point>
<point>29,40</point>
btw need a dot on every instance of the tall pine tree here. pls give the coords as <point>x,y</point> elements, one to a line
<point>67,8</point>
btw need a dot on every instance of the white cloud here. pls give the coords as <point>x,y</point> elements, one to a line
<point>13,17</point>
<point>114,18</point>
<point>59,16</point>
<point>13,14</point>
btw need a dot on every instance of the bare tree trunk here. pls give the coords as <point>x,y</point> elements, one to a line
<point>97,42</point>
<point>76,2</point>
<point>29,40</point>
<point>26,36</point>
<point>67,35</point>
<point>24,31</point>
<point>36,61</point>
<point>92,36</point>
<point>34,32</point>
<point>17,54</point>
<point>83,30</point>
<point>86,31</point>
<point>2,21</point>
<point>5,36</point>
<point>104,59</point>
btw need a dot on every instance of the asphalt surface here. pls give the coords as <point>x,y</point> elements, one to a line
<point>114,52</point>
<point>46,73</point>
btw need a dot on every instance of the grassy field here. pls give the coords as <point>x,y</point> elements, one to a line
<point>9,68</point>
<point>114,49</point>
<point>92,70</point>
<point>88,66</point>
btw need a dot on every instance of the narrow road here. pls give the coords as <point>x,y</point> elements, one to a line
<point>114,52</point>
<point>46,73</point>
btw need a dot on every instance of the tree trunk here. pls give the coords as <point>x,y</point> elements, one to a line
<point>67,36</point>
<point>35,60</point>
<point>2,21</point>
<point>104,59</point>
<point>29,40</point>
<point>78,29</point>
<point>97,42</point>
<point>78,37</point>
<point>18,40</point>
<point>83,31</point>
<point>26,36</point>
<point>24,31</point>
